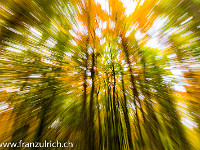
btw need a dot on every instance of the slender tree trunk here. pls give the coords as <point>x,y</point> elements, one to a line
<point>100,146</point>
<point>135,92</point>
<point>92,111</point>
<point>100,127</point>
<point>125,110</point>
<point>152,124</point>
<point>44,117</point>
<point>115,116</point>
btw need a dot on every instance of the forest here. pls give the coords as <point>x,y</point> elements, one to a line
<point>102,74</point>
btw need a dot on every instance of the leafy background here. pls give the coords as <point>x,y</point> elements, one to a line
<point>104,74</point>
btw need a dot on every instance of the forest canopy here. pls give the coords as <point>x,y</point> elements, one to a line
<point>103,74</point>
